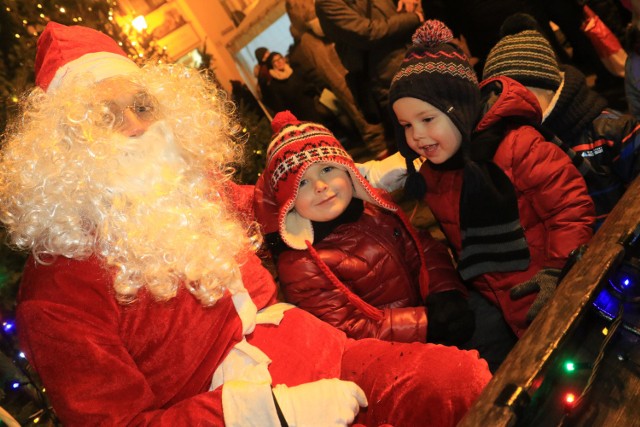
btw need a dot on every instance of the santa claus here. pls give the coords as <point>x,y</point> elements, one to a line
<point>143,301</point>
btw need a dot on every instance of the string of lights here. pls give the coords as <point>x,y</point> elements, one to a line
<point>23,383</point>
<point>573,401</point>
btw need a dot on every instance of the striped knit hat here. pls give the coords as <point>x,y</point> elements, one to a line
<point>294,147</point>
<point>438,72</point>
<point>524,55</point>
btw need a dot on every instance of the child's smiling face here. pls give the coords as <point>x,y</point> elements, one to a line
<point>429,131</point>
<point>324,193</point>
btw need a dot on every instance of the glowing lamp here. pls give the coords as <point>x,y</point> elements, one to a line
<point>139,23</point>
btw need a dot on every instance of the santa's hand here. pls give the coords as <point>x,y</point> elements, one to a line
<point>328,402</point>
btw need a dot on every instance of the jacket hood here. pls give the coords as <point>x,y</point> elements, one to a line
<point>503,98</point>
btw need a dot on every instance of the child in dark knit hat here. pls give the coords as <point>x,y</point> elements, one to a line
<point>602,143</point>
<point>511,204</point>
<point>346,253</point>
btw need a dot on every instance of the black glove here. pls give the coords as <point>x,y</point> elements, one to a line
<point>544,282</point>
<point>450,320</point>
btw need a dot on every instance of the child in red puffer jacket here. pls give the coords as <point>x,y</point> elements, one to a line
<point>346,253</point>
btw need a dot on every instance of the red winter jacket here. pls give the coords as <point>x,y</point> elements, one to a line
<point>555,209</point>
<point>377,260</point>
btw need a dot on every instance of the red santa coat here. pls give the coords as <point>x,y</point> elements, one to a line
<point>152,363</point>
<point>377,259</point>
<point>555,209</point>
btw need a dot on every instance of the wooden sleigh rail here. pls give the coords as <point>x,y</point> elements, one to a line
<point>515,381</point>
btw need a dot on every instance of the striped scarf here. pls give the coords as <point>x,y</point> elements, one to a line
<point>492,237</point>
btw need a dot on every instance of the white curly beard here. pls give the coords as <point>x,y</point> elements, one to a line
<point>167,224</point>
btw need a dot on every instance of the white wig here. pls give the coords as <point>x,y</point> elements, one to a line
<point>68,186</point>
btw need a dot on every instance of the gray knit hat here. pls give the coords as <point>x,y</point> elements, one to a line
<point>524,55</point>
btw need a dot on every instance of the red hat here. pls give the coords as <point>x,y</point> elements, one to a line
<point>65,52</point>
<point>296,146</point>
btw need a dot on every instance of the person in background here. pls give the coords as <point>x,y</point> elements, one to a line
<point>603,143</point>
<point>370,37</point>
<point>143,301</point>
<point>319,54</point>
<point>261,53</point>
<point>290,91</point>
<point>261,72</point>
<point>510,203</point>
<point>346,253</point>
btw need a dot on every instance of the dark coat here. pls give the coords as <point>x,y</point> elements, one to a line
<point>608,139</point>
<point>383,38</point>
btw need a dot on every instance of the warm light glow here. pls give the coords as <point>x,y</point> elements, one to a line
<point>139,23</point>
<point>605,332</point>
<point>17,36</point>
<point>570,398</point>
<point>63,10</point>
<point>39,6</point>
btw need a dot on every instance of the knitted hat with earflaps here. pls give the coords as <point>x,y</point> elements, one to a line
<point>65,52</point>
<point>294,147</point>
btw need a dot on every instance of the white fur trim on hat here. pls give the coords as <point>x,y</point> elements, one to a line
<point>296,230</point>
<point>101,65</point>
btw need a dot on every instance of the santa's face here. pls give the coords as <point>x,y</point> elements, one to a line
<point>138,177</point>
<point>164,219</point>
<point>129,108</point>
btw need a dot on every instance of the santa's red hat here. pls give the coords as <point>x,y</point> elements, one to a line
<point>65,52</point>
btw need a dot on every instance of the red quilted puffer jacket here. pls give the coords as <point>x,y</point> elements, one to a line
<point>555,210</point>
<point>377,264</point>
